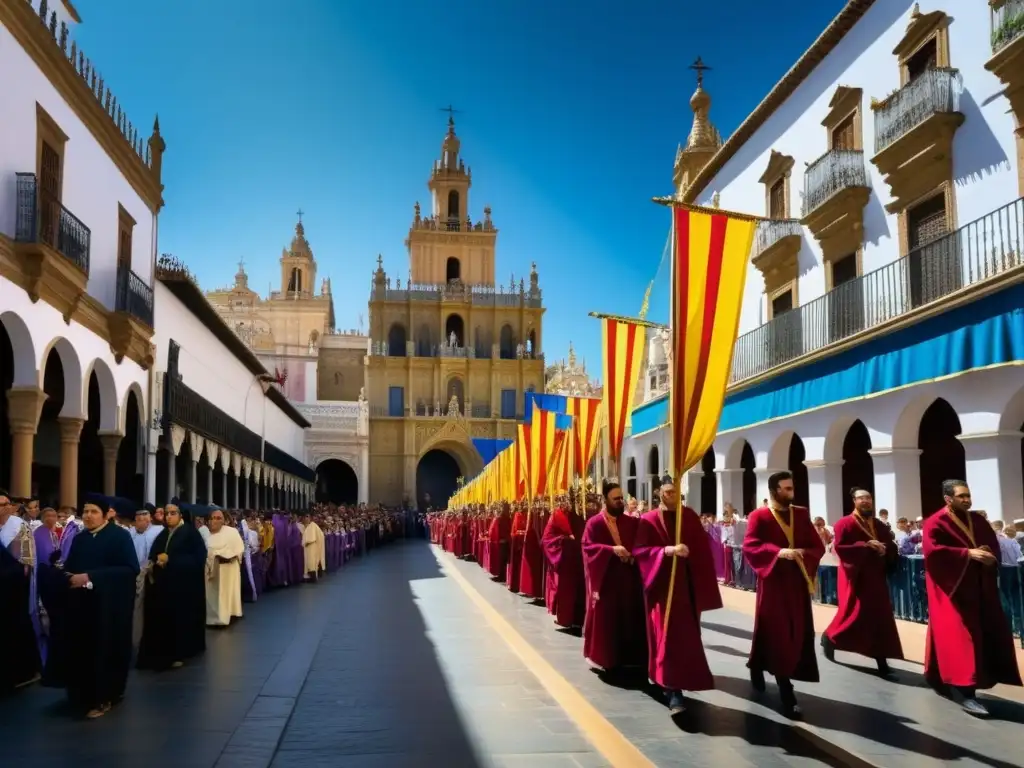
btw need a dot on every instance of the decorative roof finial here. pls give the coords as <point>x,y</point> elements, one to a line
<point>699,67</point>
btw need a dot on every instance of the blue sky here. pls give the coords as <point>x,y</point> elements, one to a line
<point>571,113</point>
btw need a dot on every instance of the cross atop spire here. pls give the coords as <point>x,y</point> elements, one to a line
<point>451,113</point>
<point>300,213</point>
<point>700,68</point>
<point>241,265</point>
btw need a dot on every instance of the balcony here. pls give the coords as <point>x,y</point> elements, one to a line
<point>836,189</point>
<point>131,323</point>
<point>1007,62</point>
<point>1007,23</point>
<point>984,250</point>
<point>776,248</point>
<point>52,246</point>
<point>349,417</point>
<point>914,129</point>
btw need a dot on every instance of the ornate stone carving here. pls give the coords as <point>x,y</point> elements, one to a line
<point>195,444</point>
<point>177,438</point>
<point>236,463</point>
<point>247,466</point>
<point>225,458</point>
<point>212,450</point>
<point>257,471</point>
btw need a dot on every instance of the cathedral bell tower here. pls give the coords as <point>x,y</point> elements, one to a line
<point>704,140</point>
<point>298,267</point>
<point>448,245</point>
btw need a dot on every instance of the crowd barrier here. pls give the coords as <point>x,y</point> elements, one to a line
<point>906,586</point>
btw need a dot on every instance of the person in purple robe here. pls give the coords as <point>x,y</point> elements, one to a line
<point>717,548</point>
<point>297,565</point>
<point>278,572</point>
<point>47,542</point>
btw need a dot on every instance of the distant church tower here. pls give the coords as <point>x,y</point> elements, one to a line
<point>298,267</point>
<point>704,140</point>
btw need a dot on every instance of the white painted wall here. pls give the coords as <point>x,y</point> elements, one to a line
<point>983,152</point>
<point>93,185</point>
<point>216,374</point>
<point>36,329</point>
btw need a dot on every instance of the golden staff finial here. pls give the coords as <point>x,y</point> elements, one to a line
<point>646,303</point>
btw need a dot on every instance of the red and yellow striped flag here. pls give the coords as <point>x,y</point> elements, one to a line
<point>623,345</point>
<point>709,270</point>
<point>524,475</point>
<point>542,448</point>
<point>586,416</point>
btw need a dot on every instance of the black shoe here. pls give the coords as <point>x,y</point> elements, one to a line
<point>757,679</point>
<point>790,708</point>
<point>828,648</point>
<point>884,669</point>
<point>676,703</point>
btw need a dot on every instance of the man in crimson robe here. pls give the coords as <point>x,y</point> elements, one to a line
<point>515,554</point>
<point>614,632</point>
<point>864,623</point>
<point>531,571</point>
<point>563,536</point>
<point>498,542</point>
<point>969,643</point>
<point>783,549</point>
<point>676,659</point>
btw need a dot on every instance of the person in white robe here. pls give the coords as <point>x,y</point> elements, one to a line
<point>224,552</point>
<point>143,533</point>
<point>203,530</point>
<point>314,547</point>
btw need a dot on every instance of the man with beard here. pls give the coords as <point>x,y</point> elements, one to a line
<point>614,634</point>
<point>969,643</point>
<point>784,550</point>
<point>865,622</point>
<point>677,661</point>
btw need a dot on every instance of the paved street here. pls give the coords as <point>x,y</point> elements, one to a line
<point>391,663</point>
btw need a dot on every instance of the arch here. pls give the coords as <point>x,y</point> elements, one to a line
<point>455,440</point>
<point>795,463</point>
<point>734,453</point>
<point>942,454</point>
<point>336,482</point>
<point>454,209</point>
<point>109,401</point>
<point>396,340</point>
<point>708,484</point>
<point>75,394</point>
<point>507,343</point>
<point>631,479</point>
<point>908,423</point>
<point>140,402</point>
<point>531,339</point>
<point>858,466</point>
<point>23,351</point>
<point>128,478</point>
<point>437,475</point>
<point>1012,417</point>
<point>457,389</point>
<point>295,280</point>
<point>454,324</point>
<point>778,454</point>
<point>452,269</point>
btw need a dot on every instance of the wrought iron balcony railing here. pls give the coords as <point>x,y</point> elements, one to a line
<point>41,218</point>
<point>769,232</point>
<point>972,254</point>
<point>935,91</point>
<point>836,170</point>
<point>1007,23</point>
<point>133,296</point>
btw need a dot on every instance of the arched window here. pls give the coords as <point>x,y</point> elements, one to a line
<point>532,339</point>
<point>295,281</point>
<point>396,341</point>
<point>454,325</point>
<point>452,269</point>
<point>507,343</point>
<point>458,390</point>
<point>453,204</point>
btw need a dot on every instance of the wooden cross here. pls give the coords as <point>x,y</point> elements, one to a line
<point>700,68</point>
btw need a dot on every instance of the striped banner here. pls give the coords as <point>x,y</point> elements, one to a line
<point>524,473</point>
<point>586,413</point>
<point>623,352</point>
<point>543,430</point>
<point>709,271</point>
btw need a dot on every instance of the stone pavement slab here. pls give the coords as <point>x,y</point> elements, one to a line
<point>850,717</point>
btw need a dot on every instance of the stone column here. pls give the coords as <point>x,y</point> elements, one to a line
<point>110,441</point>
<point>898,481</point>
<point>149,494</point>
<point>70,432</point>
<point>193,467</point>
<point>994,473</point>
<point>730,488</point>
<point>24,407</point>
<point>209,483</point>
<point>825,494</point>
<point>693,490</point>
<point>364,475</point>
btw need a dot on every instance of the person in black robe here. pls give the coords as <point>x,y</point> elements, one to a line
<point>174,614</point>
<point>101,570</point>
<point>18,648</point>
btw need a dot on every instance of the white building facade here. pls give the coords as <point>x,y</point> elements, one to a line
<point>882,334</point>
<point>226,434</point>
<point>80,194</point>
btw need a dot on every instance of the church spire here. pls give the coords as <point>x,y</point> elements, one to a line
<point>704,140</point>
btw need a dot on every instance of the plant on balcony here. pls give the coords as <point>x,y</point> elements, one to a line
<point>1008,30</point>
